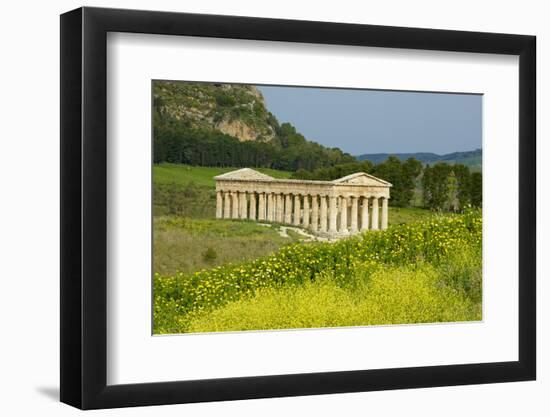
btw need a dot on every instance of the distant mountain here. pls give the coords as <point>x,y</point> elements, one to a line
<point>469,158</point>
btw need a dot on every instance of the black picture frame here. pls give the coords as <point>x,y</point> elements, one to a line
<point>84,207</point>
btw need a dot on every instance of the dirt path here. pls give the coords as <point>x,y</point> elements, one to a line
<point>308,236</point>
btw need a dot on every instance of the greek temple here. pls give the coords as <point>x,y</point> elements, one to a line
<point>345,206</point>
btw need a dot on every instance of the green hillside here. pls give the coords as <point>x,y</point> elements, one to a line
<point>189,191</point>
<point>201,176</point>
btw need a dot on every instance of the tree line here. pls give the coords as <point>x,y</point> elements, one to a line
<point>176,142</point>
<point>441,186</point>
<point>451,187</point>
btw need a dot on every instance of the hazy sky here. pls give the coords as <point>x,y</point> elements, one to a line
<point>367,121</point>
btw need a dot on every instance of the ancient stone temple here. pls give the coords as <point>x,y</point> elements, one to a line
<point>345,206</point>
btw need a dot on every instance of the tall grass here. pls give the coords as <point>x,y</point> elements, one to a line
<point>189,245</point>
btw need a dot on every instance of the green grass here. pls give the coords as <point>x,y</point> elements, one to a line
<point>189,245</point>
<point>189,191</point>
<point>404,215</point>
<point>201,176</point>
<point>426,271</point>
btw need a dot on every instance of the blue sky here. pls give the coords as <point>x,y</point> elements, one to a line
<point>372,121</point>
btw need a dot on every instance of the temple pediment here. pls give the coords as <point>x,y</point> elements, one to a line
<point>362,178</point>
<point>244,174</point>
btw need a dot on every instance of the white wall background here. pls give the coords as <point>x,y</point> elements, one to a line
<point>29,225</point>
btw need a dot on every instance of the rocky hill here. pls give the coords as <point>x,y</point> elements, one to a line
<point>233,109</point>
<point>228,125</point>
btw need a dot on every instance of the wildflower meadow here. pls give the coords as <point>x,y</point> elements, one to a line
<point>421,272</point>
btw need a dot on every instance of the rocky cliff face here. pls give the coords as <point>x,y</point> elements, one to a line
<point>239,129</point>
<point>236,110</point>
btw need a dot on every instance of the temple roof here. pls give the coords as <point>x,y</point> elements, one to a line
<point>248,174</point>
<point>244,174</point>
<point>361,178</point>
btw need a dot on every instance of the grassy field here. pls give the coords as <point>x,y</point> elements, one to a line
<point>424,271</point>
<point>187,238</point>
<point>189,191</point>
<point>404,215</point>
<point>189,245</point>
<point>201,176</point>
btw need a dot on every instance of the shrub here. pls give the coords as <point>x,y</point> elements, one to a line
<point>225,99</point>
<point>209,255</point>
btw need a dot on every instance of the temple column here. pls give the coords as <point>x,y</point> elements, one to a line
<point>275,202</point>
<point>332,215</point>
<point>296,219</point>
<point>261,206</point>
<point>227,205</point>
<point>243,206</point>
<point>305,217</point>
<point>269,209</point>
<point>235,205</point>
<point>252,209</point>
<point>365,214</point>
<point>275,207</point>
<point>219,204</point>
<point>353,226</point>
<point>288,209</point>
<point>384,213</point>
<point>343,215</point>
<point>323,225</point>
<point>280,208</point>
<point>374,214</point>
<point>314,212</point>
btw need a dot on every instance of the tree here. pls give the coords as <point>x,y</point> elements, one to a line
<point>412,168</point>
<point>463,179</point>
<point>178,142</point>
<point>452,192</point>
<point>476,189</point>
<point>402,176</point>
<point>427,186</point>
<point>333,172</point>
<point>436,185</point>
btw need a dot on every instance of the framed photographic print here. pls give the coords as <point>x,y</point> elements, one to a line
<point>256,208</point>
